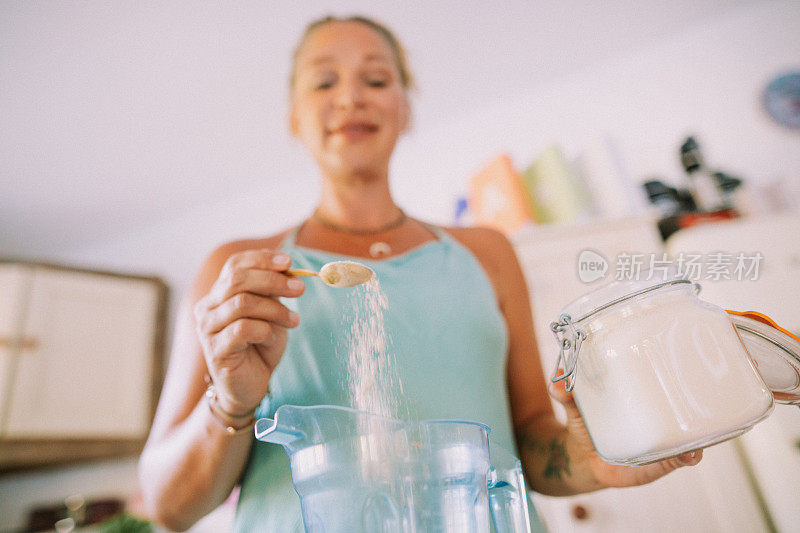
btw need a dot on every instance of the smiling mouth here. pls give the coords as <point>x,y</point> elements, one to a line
<point>355,130</point>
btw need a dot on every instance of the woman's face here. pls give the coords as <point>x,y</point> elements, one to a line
<point>348,104</point>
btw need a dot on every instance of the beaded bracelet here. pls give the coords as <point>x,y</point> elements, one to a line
<point>230,429</point>
<point>214,406</point>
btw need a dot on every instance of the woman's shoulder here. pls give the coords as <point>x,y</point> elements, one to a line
<point>485,243</point>
<point>495,254</point>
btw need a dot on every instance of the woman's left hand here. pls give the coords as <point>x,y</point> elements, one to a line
<point>586,463</point>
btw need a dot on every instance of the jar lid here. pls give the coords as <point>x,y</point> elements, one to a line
<point>570,338</point>
<point>619,291</point>
<point>775,352</point>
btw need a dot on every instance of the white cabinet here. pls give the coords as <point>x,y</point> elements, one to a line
<point>772,447</point>
<point>80,361</point>
<point>715,495</point>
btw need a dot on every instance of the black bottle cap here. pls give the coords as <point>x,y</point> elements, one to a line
<point>686,201</point>
<point>726,182</point>
<point>691,159</point>
<point>656,189</point>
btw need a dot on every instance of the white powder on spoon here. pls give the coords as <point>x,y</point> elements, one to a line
<point>345,274</point>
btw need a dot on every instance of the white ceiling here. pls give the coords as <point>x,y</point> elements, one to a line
<point>114,115</point>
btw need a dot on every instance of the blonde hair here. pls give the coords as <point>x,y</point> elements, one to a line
<point>398,52</point>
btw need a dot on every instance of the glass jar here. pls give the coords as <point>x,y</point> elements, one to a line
<point>655,371</point>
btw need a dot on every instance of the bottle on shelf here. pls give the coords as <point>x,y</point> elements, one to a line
<point>703,184</point>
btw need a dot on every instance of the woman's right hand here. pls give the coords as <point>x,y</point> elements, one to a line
<point>242,326</point>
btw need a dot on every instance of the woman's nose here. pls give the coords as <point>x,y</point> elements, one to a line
<point>349,94</point>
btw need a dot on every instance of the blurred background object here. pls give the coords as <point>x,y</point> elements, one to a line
<point>498,197</point>
<point>80,365</point>
<point>782,99</point>
<point>557,194</point>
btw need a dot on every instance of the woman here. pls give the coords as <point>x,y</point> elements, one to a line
<point>458,315</point>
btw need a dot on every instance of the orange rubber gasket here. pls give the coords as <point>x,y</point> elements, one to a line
<point>764,319</point>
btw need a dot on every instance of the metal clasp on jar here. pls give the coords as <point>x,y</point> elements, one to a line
<point>569,340</point>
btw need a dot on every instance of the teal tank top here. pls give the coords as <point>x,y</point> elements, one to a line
<point>448,338</point>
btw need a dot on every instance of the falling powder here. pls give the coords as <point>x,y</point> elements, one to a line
<point>373,382</point>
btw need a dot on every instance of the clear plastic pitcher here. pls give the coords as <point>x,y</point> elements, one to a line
<point>358,472</point>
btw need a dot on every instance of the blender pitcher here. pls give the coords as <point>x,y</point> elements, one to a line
<point>359,472</point>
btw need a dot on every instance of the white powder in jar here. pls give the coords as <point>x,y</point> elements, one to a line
<point>663,375</point>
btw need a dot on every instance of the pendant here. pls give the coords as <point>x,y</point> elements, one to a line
<point>379,249</point>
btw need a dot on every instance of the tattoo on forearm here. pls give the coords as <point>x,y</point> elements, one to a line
<point>557,461</point>
<point>556,457</point>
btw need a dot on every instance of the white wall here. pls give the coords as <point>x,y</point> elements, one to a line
<point>114,114</point>
<point>703,80</point>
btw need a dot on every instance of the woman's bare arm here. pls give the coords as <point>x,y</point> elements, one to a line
<point>191,463</point>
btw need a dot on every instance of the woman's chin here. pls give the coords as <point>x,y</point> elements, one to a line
<point>358,165</point>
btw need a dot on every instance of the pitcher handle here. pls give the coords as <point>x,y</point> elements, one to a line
<point>508,499</point>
